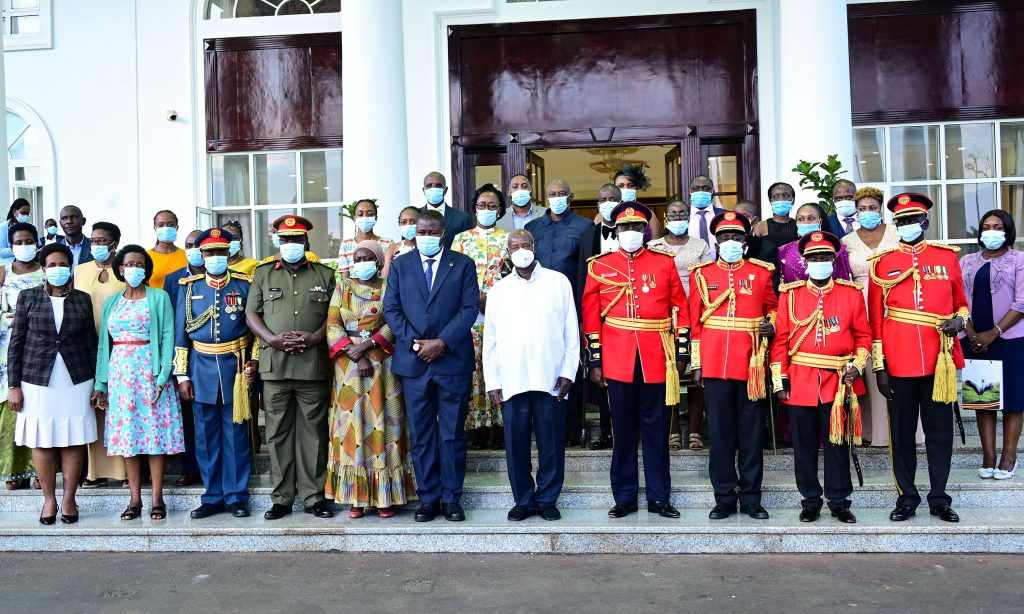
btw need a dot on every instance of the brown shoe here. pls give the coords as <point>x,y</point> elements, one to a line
<point>189,479</point>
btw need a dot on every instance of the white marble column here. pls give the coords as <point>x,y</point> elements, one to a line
<point>373,81</point>
<point>813,89</point>
<point>5,180</point>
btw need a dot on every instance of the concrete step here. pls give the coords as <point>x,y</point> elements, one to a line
<point>690,490</point>
<point>488,531</point>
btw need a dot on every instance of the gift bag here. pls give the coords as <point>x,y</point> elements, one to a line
<point>982,384</point>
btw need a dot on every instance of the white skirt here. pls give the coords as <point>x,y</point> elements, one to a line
<point>56,416</point>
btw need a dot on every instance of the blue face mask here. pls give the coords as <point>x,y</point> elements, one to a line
<point>993,239</point>
<point>846,208</point>
<point>216,265</point>
<point>234,247</point>
<point>782,208</point>
<point>435,196</point>
<point>22,218</point>
<point>100,253</point>
<point>869,219</point>
<point>628,194</point>
<point>730,251</point>
<point>167,234</point>
<point>521,198</point>
<point>57,276</point>
<point>292,252</point>
<point>194,256</point>
<point>558,204</point>
<point>364,271</point>
<point>802,229</point>
<point>819,270</point>
<point>909,232</point>
<point>701,200</point>
<point>51,230</point>
<point>678,228</point>
<point>134,276</point>
<point>486,217</point>
<point>365,224</point>
<point>408,232</point>
<point>606,209</point>
<point>276,240</point>
<point>428,245</point>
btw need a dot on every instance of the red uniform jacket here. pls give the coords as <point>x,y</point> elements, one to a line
<point>723,342</point>
<point>923,279</point>
<point>624,297</point>
<point>841,330</point>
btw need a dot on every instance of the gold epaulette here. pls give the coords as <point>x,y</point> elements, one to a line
<point>878,255</point>
<point>266,261</point>
<point>663,252</point>
<point>761,263</point>
<point>694,267</point>
<point>596,256</point>
<point>847,282</point>
<point>242,276</point>
<point>792,285</point>
<point>952,248</point>
<point>187,280</point>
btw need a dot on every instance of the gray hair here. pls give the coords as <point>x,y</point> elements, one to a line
<point>521,233</point>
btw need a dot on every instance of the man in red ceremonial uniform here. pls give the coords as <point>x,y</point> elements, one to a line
<point>732,306</point>
<point>637,327</point>
<point>821,347</point>
<point>917,305</point>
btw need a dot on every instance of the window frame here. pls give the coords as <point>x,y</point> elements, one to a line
<point>19,42</point>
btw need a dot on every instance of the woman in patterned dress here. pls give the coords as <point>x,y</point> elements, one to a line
<point>368,462</point>
<point>133,371</point>
<point>16,466</point>
<point>487,245</point>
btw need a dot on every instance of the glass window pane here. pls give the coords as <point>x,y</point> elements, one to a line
<point>26,24</point>
<point>321,177</point>
<point>229,176</point>
<point>244,218</point>
<point>1011,142</point>
<point>934,192</point>
<point>294,7</point>
<point>254,8</point>
<point>325,238</point>
<point>869,155</point>
<point>722,170</point>
<point>970,151</point>
<point>967,203</point>
<point>915,153</point>
<point>275,178</point>
<point>264,230</point>
<point>16,126</point>
<point>1012,201</point>
<point>22,5</point>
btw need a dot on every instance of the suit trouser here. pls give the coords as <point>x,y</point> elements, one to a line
<point>297,435</point>
<point>735,424</point>
<point>189,460</point>
<point>524,414</point>
<point>912,396</point>
<point>811,425</point>
<point>435,406</point>
<point>222,449</point>
<point>639,409</point>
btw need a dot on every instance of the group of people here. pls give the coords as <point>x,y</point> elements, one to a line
<point>492,331</point>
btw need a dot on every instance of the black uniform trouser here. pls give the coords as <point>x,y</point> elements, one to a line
<point>735,425</point>
<point>811,425</point>
<point>638,409</point>
<point>576,407</point>
<point>912,396</point>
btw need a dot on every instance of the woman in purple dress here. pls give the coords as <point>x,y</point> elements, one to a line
<point>810,217</point>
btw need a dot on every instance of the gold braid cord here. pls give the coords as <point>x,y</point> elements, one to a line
<point>194,324</point>
<point>623,286</point>
<point>756,385</point>
<point>712,306</point>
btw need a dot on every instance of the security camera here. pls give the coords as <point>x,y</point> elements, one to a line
<point>172,115</point>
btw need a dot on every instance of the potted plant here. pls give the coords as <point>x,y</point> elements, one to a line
<point>820,178</point>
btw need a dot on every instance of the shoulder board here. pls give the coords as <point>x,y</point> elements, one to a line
<point>241,276</point>
<point>878,255</point>
<point>792,285</point>
<point>266,261</point>
<point>851,284</point>
<point>952,248</point>
<point>761,263</point>
<point>187,280</point>
<point>596,256</point>
<point>694,267</point>
<point>663,252</point>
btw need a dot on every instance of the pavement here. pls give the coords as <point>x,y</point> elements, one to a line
<point>395,583</point>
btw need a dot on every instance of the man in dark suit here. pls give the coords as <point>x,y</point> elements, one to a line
<point>435,188</point>
<point>759,247</point>
<point>702,194</point>
<point>844,218</point>
<point>431,304</point>
<point>72,221</point>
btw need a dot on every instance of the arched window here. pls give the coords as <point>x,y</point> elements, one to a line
<point>230,9</point>
<point>29,161</point>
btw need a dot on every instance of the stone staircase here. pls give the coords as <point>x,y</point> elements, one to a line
<point>990,510</point>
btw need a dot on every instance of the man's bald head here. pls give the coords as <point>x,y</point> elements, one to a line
<point>435,179</point>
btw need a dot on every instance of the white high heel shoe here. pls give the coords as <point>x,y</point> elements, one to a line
<point>1005,475</point>
<point>986,473</point>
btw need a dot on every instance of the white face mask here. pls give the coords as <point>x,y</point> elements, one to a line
<point>846,208</point>
<point>630,240</point>
<point>522,258</point>
<point>24,253</point>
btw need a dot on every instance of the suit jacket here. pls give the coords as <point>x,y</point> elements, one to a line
<point>837,226</point>
<point>86,254</point>
<point>766,251</point>
<point>455,221</point>
<point>448,313</point>
<point>590,245</point>
<point>35,340</point>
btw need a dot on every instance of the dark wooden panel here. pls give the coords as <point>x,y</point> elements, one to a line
<point>273,92</point>
<point>940,60</point>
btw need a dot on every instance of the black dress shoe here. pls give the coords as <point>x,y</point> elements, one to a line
<point>48,520</point>
<point>601,443</point>
<point>277,511</point>
<point>663,509</point>
<point>206,510</point>
<point>756,511</point>
<point>810,514</point>
<point>844,516</point>
<point>721,512</point>
<point>426,512</point>
<point>621,510</point>
<point>238,510</point>
<point>519,513</point>
<point>901,513</point>
<point>188,479</point>
<point>945,513</point>
<point>572,442</point>
<point>320,509</point>
<point>550,513</point>
<point>453,512</point>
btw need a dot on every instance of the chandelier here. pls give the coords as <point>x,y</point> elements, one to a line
<point>611,159</point>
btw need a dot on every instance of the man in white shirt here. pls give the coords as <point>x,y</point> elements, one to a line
<point>530,375</point>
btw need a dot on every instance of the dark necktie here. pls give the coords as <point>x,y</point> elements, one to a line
<point>848,224</point>
<point>428,274</point>
<point>704,225</point>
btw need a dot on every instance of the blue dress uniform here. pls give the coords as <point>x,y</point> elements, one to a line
<point>212,344</point>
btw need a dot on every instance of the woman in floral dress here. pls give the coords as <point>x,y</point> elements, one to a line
<point>133,370</point>
<point>368,461</point>
<point>487,245</point>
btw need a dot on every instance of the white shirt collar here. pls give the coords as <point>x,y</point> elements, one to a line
<point>436,257</point>
<point>533,276</point>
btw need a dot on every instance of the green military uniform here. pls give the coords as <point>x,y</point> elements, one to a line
<point>297,388</point>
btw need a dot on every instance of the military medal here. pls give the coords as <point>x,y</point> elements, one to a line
<point>646,288</point>
<point>653,282</point>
